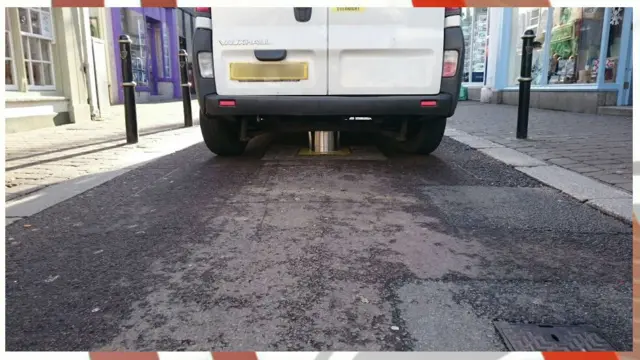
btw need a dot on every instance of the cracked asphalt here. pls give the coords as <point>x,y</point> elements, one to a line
<point>194,252</point>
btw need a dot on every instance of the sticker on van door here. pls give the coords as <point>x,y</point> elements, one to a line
<point>347,9</point>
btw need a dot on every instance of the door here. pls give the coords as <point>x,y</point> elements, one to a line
<point>296,63</point>
<point>102,78</point>
<point>385,51</point>
<point>151,55</point>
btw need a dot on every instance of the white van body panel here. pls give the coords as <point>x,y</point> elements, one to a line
<point>369,51</point>
<point>303,41</point>
<point>386,51</point>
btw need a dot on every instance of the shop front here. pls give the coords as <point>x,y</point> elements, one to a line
<point>154,46</point>
<point>583,62</point>
<point>475,28</point>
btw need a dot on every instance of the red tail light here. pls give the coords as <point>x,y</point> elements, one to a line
<point>452,11</point>
<point>203,9</point>
<point>428,103</point>
<point>450,63</point>
<point>227,103</point>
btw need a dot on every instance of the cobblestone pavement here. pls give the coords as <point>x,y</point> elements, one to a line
<point>595,146</point>
<point>40,158</point>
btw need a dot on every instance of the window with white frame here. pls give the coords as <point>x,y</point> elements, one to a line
<point>534,17</point>
<point>36,33</point>
<point>10,82</point>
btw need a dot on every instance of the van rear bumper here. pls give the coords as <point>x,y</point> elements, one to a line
<point>327,105</point>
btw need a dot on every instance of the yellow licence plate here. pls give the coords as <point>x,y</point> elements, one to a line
<point>348,9</point>
<point>276,71</point>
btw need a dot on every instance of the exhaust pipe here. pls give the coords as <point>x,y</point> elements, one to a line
<point>324,142</point>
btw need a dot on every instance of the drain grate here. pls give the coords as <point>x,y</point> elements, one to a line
<point>533,337</point>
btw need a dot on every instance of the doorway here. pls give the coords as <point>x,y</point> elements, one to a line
<point>150,52</point>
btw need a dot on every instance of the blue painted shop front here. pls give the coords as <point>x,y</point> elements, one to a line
<point>154,50</point>
<point>589,49</point>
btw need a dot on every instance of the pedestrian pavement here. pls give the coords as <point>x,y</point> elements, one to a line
<point>38,159</point>
<point>596,146</point>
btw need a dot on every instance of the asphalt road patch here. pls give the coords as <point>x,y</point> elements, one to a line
<point>535,337</point>
<point>196,252</point>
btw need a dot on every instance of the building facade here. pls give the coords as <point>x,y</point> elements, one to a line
<point>582,65</point>
<point>154,52</point>
<point>49,78</point>
<point>157,35</point>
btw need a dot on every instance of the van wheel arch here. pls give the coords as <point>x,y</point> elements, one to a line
<point>222,135</point>
<point>424,135</point>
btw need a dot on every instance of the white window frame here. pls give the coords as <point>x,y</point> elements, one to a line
<point>533,20</point>
<point>48,39</point>
<point>12,58</point>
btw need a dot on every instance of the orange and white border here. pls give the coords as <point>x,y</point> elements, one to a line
<point>340,355</point>
<point>274,3</point>
<point>249,3</point>
<point>322,355</point>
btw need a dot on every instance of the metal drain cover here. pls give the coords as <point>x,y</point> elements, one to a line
<point>533,337</point>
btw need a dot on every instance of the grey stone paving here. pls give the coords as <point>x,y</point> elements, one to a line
<point>44,157</point>
<point>596,146</point>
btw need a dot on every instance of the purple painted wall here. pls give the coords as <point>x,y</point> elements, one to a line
<point>162,15</point>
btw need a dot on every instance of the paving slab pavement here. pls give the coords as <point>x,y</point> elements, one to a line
<point>587,157</point>
<point>597,146</point>
<point>46,166</point>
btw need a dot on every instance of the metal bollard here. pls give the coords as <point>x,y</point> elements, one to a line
<point>186,88</point>
<point>524,93</point>
<point>129,88</point>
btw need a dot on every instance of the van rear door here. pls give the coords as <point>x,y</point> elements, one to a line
<point>385,51</point>
<point>270,51</point>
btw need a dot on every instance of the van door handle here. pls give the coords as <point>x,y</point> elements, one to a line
<point>302,14</point>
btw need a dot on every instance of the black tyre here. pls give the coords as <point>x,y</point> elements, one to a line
<point>423,136</point>
<point>222,135</point>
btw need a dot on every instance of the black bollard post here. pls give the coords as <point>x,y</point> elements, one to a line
<point>524,93</point>
<point>129,88</point>
<point>186,88</point>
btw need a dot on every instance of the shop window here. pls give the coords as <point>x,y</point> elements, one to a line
<point>614,43</point>
<point>134,25</point>
<point>157,33</point>
<point>535,19</point>
<point>570,54</point>
<point>10,82</point>
<point>166,50</point>
<point>574,53</point>
<point>36,30</point>
<point>475,27</point>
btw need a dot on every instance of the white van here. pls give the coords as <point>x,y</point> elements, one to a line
<point>305,69</point>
